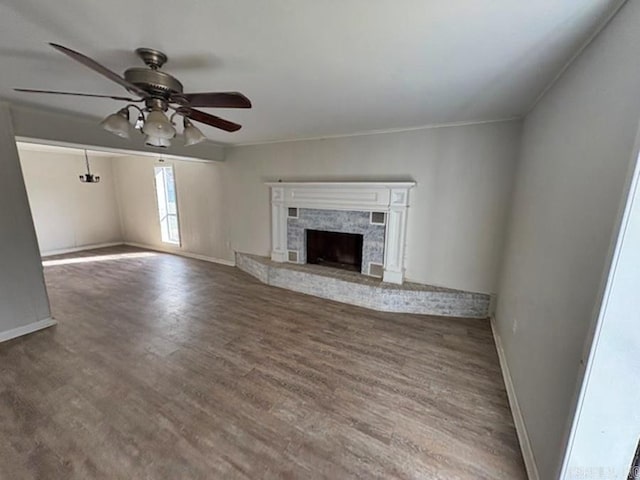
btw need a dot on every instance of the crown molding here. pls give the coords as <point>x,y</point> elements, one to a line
<point>365,133</point>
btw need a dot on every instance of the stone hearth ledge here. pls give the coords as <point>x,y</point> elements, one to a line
<point>356,289</point>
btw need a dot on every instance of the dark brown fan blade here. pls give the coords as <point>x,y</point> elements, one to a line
<point>95,66</point>
<point>31,90</point>
<point>214,99</point>
<point>202,117</point>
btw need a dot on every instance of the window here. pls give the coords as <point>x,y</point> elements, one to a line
<point>167,205</point>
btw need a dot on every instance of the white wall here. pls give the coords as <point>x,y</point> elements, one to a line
<point>576,152</point>
<point>23,297</point>
<point>202,205</point>
<point>69,214</point>
<point>607,427</point>
<point>457,211</point>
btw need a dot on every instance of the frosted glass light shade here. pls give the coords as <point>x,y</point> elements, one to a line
<point>158,125</point>
<point>117,123</point>
<point>192,134</point>
<point>157,142</point>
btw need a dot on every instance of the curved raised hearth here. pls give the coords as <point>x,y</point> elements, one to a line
<point>356,289</point>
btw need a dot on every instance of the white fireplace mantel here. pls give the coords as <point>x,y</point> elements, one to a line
<point>389,197</point>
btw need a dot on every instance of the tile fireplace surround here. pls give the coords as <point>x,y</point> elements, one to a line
<point>376,210</point>
<point>336,221</point>
<point>390,199</point>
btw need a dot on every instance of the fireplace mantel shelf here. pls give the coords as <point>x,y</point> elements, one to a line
<point>392,198</point>
<point>343,184</point>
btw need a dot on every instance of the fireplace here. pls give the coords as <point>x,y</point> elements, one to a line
<point>376,210</point>
<point>334,249</point>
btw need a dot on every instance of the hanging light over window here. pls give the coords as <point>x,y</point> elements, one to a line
<point>88,177</point>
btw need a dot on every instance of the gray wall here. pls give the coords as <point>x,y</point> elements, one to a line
<point>457,212</point>
<point>23,297</point>
<point>576,154</point>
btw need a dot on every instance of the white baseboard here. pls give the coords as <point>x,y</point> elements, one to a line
<point>518,419</point>
<point>62,251</point>
<point>25,329</point>
<point>181,253</point>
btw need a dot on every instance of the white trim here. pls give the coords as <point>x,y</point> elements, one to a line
<point>279,256</point>
<point>62,251</point>
<point>180,253</point>
<point>364,133</point>
<point>359,185</point>
<point>278,225</point>
<point>391,276</point>
<point>26,329</point>
<point>43,147</point>
<point>117,152</point>
<point>518,419</point>
<point>493,303</point>
<point>160,164</point>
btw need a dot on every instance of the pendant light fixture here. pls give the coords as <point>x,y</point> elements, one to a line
<point>88,177</point>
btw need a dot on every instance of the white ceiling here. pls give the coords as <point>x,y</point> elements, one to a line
<point>312,68</point>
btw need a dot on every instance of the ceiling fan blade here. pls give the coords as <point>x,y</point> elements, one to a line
<point>31,90</point>
<point>96,67</point>
<point>214,99</point>
<point>203,117</point>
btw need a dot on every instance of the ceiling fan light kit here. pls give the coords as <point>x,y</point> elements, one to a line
<point>158,125</point>
<point>192,134</point>
<point>118,123</point>
<point>157,142</point>
<point>160,92</point>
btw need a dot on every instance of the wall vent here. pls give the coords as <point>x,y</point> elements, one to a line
<point>378,218</point>
<point>292,212</point>
<point>376,269</point>
<point>292,256</point>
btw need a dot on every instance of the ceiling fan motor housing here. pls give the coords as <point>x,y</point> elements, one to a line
<point>153,81</point>
<point>160,85</point>
<point>152,57</point>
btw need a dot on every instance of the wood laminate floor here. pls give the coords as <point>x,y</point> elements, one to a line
<point>163,367</point>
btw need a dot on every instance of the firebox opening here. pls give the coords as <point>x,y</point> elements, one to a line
<point>335,249</point>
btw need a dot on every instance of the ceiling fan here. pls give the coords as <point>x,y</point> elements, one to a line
<point>160,92</point>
